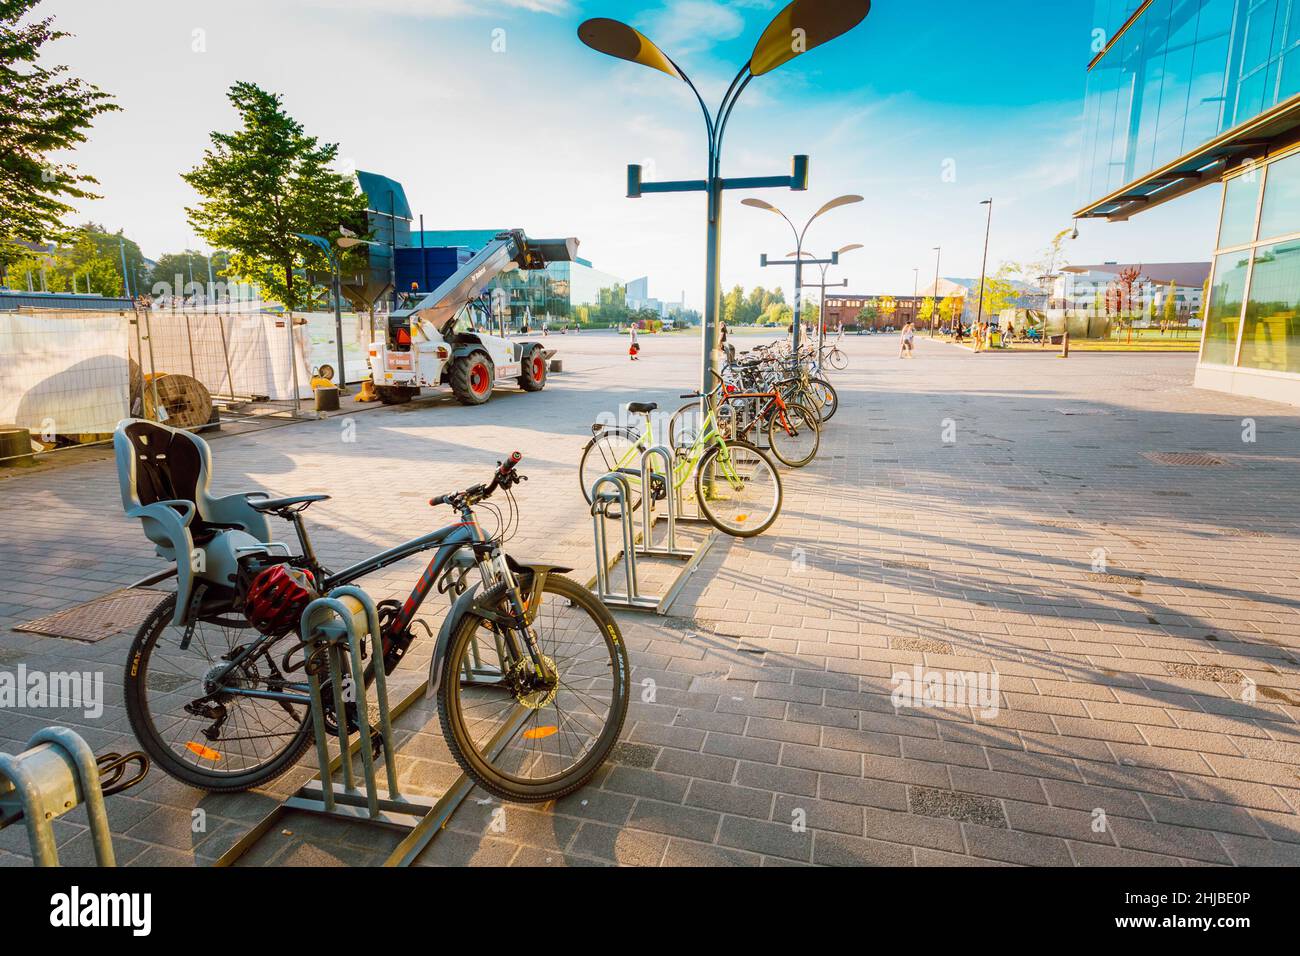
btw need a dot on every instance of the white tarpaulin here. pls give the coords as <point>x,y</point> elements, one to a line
<point>253,356</point>
<point>64,373</point>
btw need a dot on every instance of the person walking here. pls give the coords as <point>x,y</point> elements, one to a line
<point>634,347</point>
<point>906,350</point>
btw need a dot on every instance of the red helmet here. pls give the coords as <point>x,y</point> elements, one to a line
<point>277,597</point>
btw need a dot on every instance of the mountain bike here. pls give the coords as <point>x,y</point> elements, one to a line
<point>737,487</point>
<point>221,706</point>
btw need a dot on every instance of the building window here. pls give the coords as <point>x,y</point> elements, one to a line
<point>1224,313</point>
<point>1239,207</point>
<point>1271,339</point>
<point>1281,199</point>
<point>1252,318</point>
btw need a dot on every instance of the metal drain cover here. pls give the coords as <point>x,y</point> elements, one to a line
<point>926,645</point>
<point>954,805</point>
<point>1186,459</point>
<point>1210,672</point>
<point>116,613</point>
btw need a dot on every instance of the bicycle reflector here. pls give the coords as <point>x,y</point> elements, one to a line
<point>202,751</point>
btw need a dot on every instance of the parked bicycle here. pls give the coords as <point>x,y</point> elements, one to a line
<point>745,404</point>
<point>215,695</point>
<point>736,487</point>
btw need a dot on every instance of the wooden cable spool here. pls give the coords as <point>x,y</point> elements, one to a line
<point>177,400</point>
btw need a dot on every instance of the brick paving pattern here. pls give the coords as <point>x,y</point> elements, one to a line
<point>1004,516</point>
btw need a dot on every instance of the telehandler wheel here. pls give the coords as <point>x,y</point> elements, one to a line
<point>533,378</point>
<point>396,394</point>
<point>471,378</point>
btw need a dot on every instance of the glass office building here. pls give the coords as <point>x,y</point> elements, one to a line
<point>1186,93</point>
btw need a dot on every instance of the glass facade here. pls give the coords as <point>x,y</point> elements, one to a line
<point>1184,72</point>
<point>1253,316</point>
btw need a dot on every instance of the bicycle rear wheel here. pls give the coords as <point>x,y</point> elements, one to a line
<point>738,489</point>
<point>523,738</point>
<point>794,435</point>
<point>603,455</point>
<point>195,729</point>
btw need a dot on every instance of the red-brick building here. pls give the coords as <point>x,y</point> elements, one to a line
<point>883,311</point>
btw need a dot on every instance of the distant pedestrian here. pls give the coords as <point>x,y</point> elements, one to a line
<point>634,348</point>
<point>907,349</point>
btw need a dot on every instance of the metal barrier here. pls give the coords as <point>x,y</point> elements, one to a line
<point>55,774</point>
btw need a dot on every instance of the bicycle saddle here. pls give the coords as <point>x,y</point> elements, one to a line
<point>279,504</point>
<point>640,408</point>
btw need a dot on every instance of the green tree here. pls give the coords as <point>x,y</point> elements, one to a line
<point>950,309</point>
<point>43,111</point>
<point>115,246</point>
<point>926,312</point>
<point>999,291</point>
<point>190,265</point>
<point>1171,304</point>
<point>263,183</point>
<point>733,305</point>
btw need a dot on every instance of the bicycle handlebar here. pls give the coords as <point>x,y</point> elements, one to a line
<point>503,477</point>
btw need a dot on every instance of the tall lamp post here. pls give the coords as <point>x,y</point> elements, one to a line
<point>822,287</point>
<point>801,26</point>
<point>934,306</point>
<point>979,314</point>
<point>323,244</point>
<point>797,257</point>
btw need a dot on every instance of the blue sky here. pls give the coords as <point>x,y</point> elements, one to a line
<point>537,135</point>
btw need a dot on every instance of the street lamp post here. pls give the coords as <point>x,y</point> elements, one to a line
<point>797,257</point>
<point>934,304</point>
<point>916,290</point>
<point>801,26</point>
<point>821,286</point>
<point>979,314</point>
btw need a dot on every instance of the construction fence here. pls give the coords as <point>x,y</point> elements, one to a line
<point>69,376</point>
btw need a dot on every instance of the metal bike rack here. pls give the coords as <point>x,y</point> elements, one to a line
<point>337,640</point>
<point>422,817</point>
<point>615,488</point>
<point>601,501</point>
<point>671,501</point>
<point>56,773</point>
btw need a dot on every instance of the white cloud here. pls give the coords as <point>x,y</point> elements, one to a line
<point>441,9</point>
<point>687,26</point>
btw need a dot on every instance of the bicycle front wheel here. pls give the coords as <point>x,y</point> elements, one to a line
<point>524,737</point>
<point>794,435</point>
<point>738,489</point>
<point>837,360</point>
<point>825,400</point>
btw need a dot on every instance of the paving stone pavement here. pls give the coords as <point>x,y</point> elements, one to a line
<point>1133,626</point>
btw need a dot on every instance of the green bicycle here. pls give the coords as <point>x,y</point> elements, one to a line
<point>736,488</point>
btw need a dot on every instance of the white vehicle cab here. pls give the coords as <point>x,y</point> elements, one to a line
<point>446,337</point>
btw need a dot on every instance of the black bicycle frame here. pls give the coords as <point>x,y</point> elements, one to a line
<point>448,541</point>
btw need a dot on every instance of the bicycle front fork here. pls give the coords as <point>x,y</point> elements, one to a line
<point>496,573</point>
